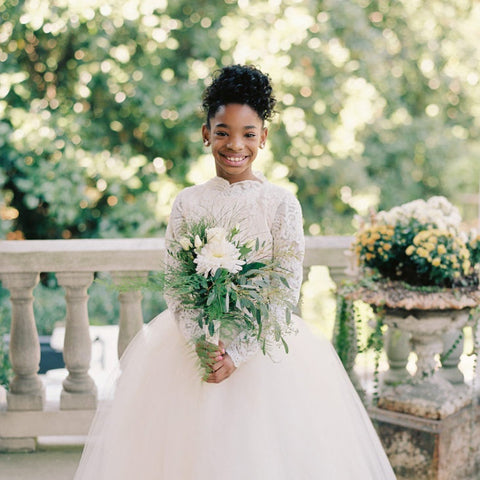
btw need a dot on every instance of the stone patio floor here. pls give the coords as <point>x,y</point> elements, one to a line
<point>49,462</point>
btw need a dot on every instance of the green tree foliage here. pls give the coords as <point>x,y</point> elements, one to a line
<point>100,120</point>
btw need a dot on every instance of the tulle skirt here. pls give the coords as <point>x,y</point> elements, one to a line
<point>295,419</point>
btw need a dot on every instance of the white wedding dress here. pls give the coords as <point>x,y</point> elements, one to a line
<point>293,417</point>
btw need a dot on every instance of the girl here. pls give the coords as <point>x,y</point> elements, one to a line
<point>293,417</point>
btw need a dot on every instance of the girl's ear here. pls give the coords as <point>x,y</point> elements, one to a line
<point>263,137</point>
<point>206,135</point>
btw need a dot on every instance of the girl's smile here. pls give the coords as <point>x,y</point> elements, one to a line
<point>235,161</point>
<point>236,132</point>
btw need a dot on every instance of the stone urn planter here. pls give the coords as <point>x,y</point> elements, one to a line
<point>426,317</point>
<point>427,394</point>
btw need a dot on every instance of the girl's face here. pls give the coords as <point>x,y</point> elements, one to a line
<point>236,132</point>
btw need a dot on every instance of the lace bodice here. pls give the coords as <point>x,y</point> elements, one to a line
<point>264,211</point>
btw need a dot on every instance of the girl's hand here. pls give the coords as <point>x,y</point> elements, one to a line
<point>217,363</point>
<point>221,369</point>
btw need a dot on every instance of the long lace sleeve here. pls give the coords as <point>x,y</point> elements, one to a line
<point>288,251</point>
<point>185,317</point>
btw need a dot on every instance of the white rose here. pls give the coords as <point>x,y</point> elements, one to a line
<point>185,243</point>
<point>216,234</point>
<point>198,242</point>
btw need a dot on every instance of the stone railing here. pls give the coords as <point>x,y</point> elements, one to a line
<point>26,415</point>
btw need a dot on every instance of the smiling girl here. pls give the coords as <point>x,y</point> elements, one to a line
<point>293,417</point>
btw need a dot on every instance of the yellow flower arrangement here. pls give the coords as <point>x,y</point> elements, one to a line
<point>419,243</point>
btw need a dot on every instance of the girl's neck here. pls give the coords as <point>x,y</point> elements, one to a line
<point>240,178</point>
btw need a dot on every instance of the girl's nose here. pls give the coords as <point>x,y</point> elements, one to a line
<point>235,143</point>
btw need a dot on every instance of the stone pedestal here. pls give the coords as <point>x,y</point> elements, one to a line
<point>425,449</point>
<point>434,398</point>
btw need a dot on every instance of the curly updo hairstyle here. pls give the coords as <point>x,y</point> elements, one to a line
<point>242,84</point>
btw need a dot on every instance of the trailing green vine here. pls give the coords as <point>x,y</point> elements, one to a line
<point>375,342</point>
<point>445,356</point>
<point>346,338</point>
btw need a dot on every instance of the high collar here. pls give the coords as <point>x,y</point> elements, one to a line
<point>221,183</point>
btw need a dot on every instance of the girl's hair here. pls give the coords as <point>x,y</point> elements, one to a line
<point>243,84</point>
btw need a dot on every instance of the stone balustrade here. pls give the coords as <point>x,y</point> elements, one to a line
<point>74,262</point>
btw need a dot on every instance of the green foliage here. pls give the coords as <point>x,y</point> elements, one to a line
<point>474,248</point>
<point>375,343</point>
<point>100,120</point>
<point>344,336</point>
<point>5,367</point>
<point>92,104</point>
<point>350,326</point>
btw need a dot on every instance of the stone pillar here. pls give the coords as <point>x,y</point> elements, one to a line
<point>397,348</point>
<point>79,390</point>
<point>452,350</point>
<point>26,389</point>
<point>131,316</point>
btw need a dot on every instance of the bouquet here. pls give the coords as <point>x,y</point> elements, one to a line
<point>419,243</point>
<point>229,282</point>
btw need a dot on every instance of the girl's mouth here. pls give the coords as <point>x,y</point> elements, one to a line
<point>234,160</point>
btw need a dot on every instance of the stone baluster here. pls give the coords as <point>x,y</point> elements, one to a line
<point>79,390</point>
<point>452,349</point>
<point>397,348</point>
<point>131,317</point>
<point>26,389</point>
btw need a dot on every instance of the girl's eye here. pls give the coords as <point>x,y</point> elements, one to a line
<point>221,134</point>
<point>250,135</point>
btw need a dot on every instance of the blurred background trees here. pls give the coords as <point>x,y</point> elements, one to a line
<point>100,119</point>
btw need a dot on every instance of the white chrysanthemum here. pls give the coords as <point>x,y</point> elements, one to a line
<point>437,211</point>
<point>218,253</point>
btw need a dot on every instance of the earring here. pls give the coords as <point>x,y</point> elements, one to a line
<point>206,142</point>
<point>262,145</point>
